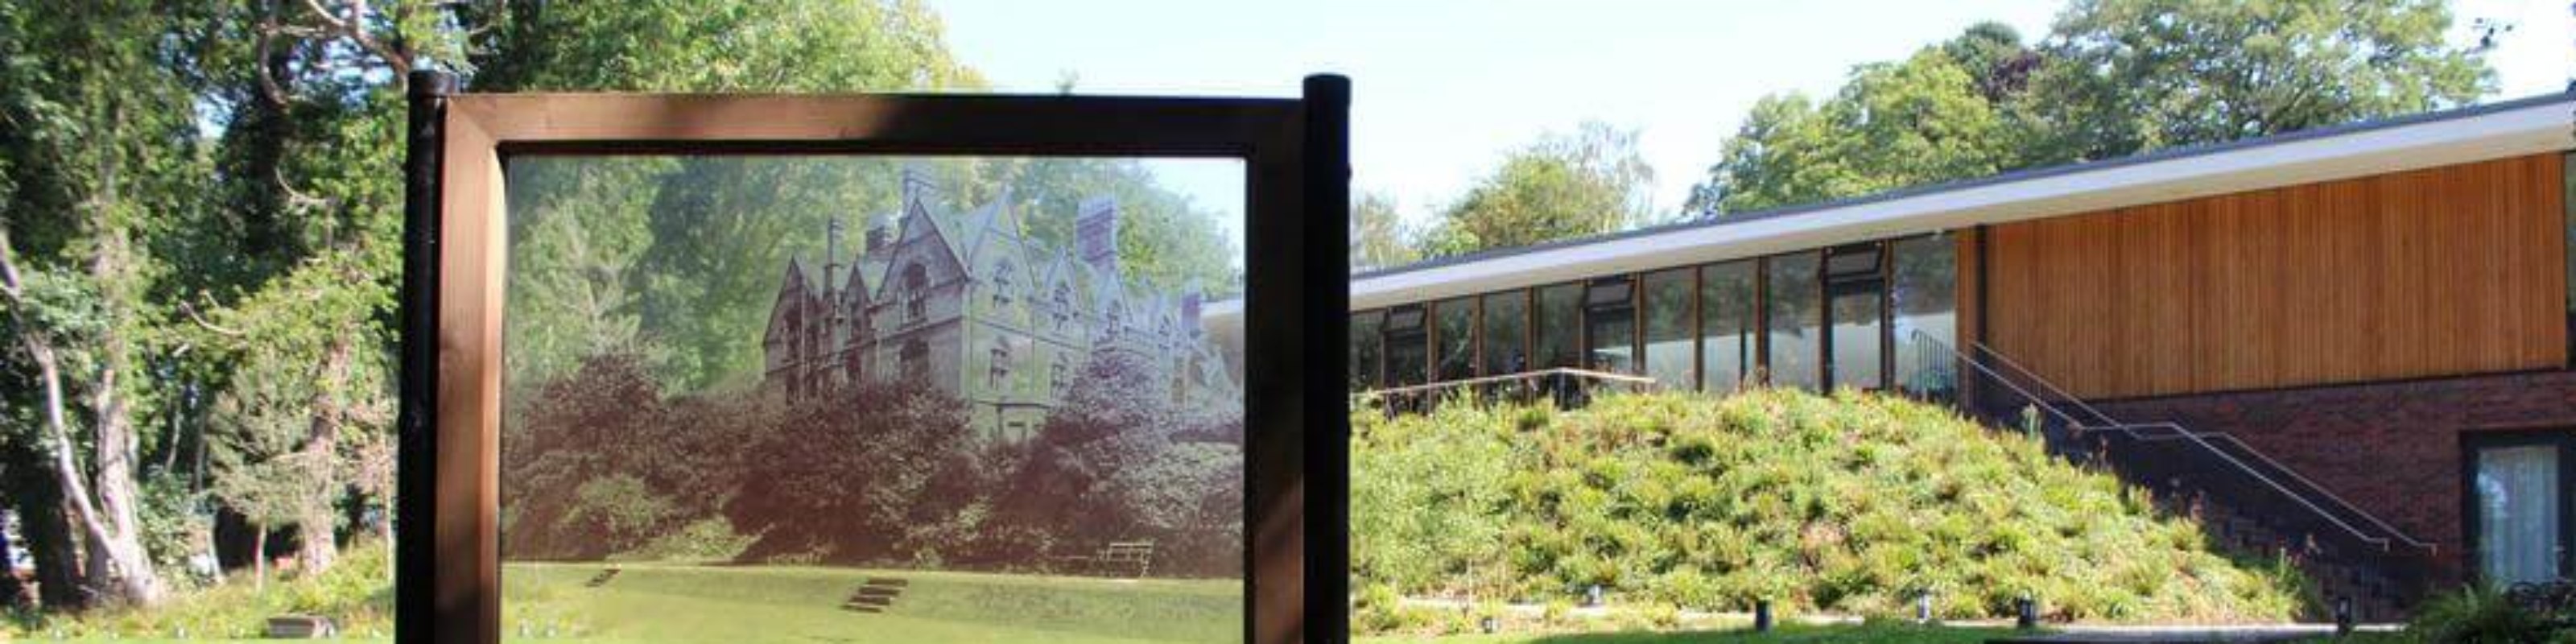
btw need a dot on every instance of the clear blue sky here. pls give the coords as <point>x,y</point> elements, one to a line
<point>1443,87</point>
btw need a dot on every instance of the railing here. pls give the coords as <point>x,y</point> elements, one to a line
<point>2217,466</point>
<point>1567,387</point>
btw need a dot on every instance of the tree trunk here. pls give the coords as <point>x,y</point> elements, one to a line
<point>315,535</point>
<point>258,556</point>
<point>42,531</point>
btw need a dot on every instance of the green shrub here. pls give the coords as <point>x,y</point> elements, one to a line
<point>2481,615</point>
<point>1851,503</point>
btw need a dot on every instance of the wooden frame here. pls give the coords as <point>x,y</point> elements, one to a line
<point>1296,155</point>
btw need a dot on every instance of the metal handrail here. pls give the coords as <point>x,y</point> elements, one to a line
<point>1525,375</point>
<point>2132,430</point>
<point>2249,450</point>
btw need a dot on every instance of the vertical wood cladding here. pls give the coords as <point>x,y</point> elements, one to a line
<point>2443,271</point>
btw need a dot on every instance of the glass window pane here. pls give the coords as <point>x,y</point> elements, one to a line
<point>1560,317</point>
<point>1366,345</point>
<point>1726,324</point>
<point>2517,504</point>
<point>826,392</point>
<point>1795,308</point>
<point>1454,338</point>
<point>1408,347</point>
<point>1610,326</point>
<point>1669,334</point>
<point>1857,339</point>
<point>1505,342</point>
<point>1924,292</point>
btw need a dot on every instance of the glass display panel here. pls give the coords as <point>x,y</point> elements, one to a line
<point>1794,306</point>
<point>1454,339</point>
<point>927,398</point>
<point>1560,322</point>
<point>1366,346</point>
<point>1504,342</point>
<point>1727,314</point>
<point>1670,307</point>
<point>1923,291</point>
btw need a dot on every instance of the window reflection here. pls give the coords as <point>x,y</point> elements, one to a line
<point>1669,334</point>
<point>1794,334</point>
<point>1454,339</point>
<point>1727,311</point>
<point>1610,325</point>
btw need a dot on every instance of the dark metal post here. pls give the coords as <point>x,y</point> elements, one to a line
<point>416,427</point>
<point>1326,290</point>
<point>1762,615</point>
<point>2025,613</point>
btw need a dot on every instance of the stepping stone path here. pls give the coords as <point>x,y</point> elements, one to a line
<point>600,579</point>
<point>875,596</point>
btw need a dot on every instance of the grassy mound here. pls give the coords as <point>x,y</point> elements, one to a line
<point>1852,503</point>
<point>357,594</point>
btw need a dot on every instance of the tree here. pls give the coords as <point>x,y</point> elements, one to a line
<point>1378,239</point>
<point>1587,183</point>
<point>2115,78</point>
<point>1923,120</point>
<point>2129,76</point>
<point>94,160</point>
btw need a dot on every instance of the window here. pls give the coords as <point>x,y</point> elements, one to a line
<point>1855,289</point>
<point>1366,345</point>
<point>915,293</point>
<point>1063,305</point>
<point>1060,375</point>
<point>1454,339</point>
<point>1792,304</point>
<point>1669,333</point>
<point>914,359</point>
<point>1610,325</point>
<point>1002,288</point>
<point>998,367</point>
<point>1727,311</point>
<point>1407,347</point>
<point>1560,318</point>
<point>1922,292</point>
<point>2519,506</point>
<point>1504,338</point>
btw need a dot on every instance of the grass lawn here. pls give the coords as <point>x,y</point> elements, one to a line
<point>684,603</point>
<point>1785,634</point>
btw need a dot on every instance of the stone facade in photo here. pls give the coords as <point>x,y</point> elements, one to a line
<point>965,301</point>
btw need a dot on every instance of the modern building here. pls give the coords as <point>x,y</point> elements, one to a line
<point>2353,343</point>
<point>966,301</point>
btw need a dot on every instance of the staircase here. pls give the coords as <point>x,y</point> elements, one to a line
<point>2248,501</point>
<point>875,596</point>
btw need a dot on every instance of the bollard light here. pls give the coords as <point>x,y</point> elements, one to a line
<point>2343,616</point>
<point>1762,616</point>
<point>1923,608</point>
<point>1592,596</point>
<point>1490,624</point>
<point>2026,613</point>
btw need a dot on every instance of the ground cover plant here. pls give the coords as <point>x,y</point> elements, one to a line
<point>1850,503</point>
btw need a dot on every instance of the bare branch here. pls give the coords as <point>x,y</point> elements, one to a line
<point>210,325</point>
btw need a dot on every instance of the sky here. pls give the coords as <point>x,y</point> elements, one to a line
<point>1442,88</point>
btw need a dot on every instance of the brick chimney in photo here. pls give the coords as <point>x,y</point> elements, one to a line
<point>1095,232</point>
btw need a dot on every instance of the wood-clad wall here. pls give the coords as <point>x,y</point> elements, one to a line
<point>2451,270</point>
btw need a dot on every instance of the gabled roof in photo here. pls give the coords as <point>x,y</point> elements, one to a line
<point>2532,125</point>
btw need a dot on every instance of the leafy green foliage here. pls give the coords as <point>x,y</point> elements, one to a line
<point>2483,615</point>
<point>1590,182</point>
<point>2113,78</point>
<point>1853,503</point>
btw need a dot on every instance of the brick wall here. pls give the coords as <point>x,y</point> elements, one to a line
<point>2391,448</point>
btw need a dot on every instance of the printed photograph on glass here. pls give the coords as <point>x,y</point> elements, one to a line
<point>873,399</point>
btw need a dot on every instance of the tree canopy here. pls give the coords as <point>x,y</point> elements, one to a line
<point>2113,78</point>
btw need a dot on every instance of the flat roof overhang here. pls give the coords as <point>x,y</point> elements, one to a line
<point>2506,129</point>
